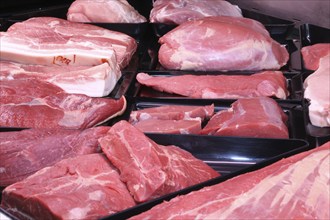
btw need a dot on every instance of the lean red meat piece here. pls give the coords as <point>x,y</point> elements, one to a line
<point>83,187</point>
<point>169,126</point>
<point>94,81</point>
<point>293,188</point>
<point>258,117</point>
<point>105,11</point>
<point>173,112</point>
<point>180,11</point>
<point>148,169</point>
<point>317,91</point>
<point>268,83</point>
<point>38,104</point>
<point>22,153</point>
<point>195,45</point>
<point>61,42</point>
<point>312,54</point>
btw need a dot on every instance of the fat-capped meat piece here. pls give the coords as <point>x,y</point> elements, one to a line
<point>312,54</point>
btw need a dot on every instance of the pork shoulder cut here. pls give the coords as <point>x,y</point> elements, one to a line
<point>312,54</point>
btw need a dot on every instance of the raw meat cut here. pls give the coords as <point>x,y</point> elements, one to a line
<point>180,11</point>
<point>221,43</point>
<point>39,104</point>
<point>169,126</point>
<point>173,112</point>
<point>268,83</point>
<point>293,188</point>
<point>94,81</point>
<point>312,54</point>
<point>317,91</point>
<point>258,117</point>
<point>148,169</point>
<point>22,153</point>
<point>55,41</point>
<point>105,11</point>
<point>83,187</point>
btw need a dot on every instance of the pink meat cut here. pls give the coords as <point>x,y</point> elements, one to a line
<point>22,153</point>
<point>38,104</point>
<point>55,41</point>
<point>82,187</point>
<point>180,11</point>
<point>104,11</point>
<point>293,188</point>
<point>258,117</point>
<point>221,43</point>
<point>169,126</point>
<point>94,81</point>
<point>312,54</point>
<point>317,91</point>
<point>268,83</point>
<point>173,112</point>
<point>148,169</point>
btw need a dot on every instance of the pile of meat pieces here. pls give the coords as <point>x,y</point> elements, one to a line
<point>129,168</point>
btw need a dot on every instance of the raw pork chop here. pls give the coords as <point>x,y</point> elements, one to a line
<point>293,188</point>
<point>258,117</point>
<point>148,169</point>
<point>173,112</point>
<point>221,43</point>
<point>180,11</point>
<point>55,41</point>
<point>312,54</point>
<point>269,83</point>
<point>317,91</point>
<point>83,187</point>
<point>94,81</point>
<point>105,11</point>
<point>22,153</point>
<point>38,104</point>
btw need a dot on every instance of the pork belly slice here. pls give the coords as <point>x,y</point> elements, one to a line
<point>258,117</point>
<point>267,83</point>
<point>148,169</point>
<point>221,43</point>
<point>293,188</point>
<point>312,54</point>
<point>22,153</point>
<point>317,91</point>
<point>83,187</point>
<point>39,104</point>
<point>180,11</point>
<point>105,11</point>
<point>173,112</point>
<point>93,81</point>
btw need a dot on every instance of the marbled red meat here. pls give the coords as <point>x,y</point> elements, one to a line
<point>312,54</point>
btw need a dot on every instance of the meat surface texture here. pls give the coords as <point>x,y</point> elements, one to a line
<point>258,117</point>
<point>104,11</point>
<point>180,11</point>
<point>293,188</point>
<point>268,83</point>
<point>38,104</point>
<point>317,91</point>
<point>93,81</point>
<point>312,54</point>
<point>83,187</point>
<point>148,169</point>
<point>221,43</point>
<point>55,41</point>
<point>22,153</point>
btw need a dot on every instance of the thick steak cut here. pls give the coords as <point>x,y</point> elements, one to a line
<point>22,153</point>
<point>312,54</point>
<point>268,83</point>
<point>148,169</point>
<point>292,188</point>
<point>258,117</point>
<point>83,187</point>
<point>38,104</point>
<point>221,43</point>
